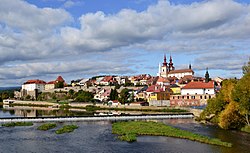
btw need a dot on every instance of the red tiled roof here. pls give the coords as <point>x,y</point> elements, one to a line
<point>60,79</point>
<point>107,78</point>
<point>51,82</point>
<point>181,71</point>
<point>199,85</point>
<point>35,82</point>
<point>154,88</point>
<point>161,79</point>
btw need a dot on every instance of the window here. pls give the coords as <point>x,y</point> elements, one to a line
<point>178,97</point>
<point>205,97</point>
<point>209,97</point>
<point>187,97</point>
<point>200,97</point>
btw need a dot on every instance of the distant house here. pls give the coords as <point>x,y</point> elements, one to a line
<point>32,88</point>
<point>193,88</point>
<point>103,94</point>
<point>194,94</point>
<point>175,88</point>
<point>52,84</point>
<point>114,103</point>
<point>83,82</point>
<point>158,95</point>
<point>162,81</point>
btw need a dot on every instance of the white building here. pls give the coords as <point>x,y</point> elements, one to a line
<point>198,88</point>
<point>31,85</point>
<point>32,88</point>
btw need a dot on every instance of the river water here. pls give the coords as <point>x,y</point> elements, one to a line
<point>95,137</point>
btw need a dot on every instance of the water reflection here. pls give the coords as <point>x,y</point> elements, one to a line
<point>98,137</point>
<point>27,111</point>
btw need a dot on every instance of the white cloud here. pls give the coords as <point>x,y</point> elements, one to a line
<point>35,39</point>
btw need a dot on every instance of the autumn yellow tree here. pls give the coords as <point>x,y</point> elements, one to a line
<point>230,118</point>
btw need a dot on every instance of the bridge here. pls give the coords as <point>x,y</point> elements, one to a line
<point>95,118</point>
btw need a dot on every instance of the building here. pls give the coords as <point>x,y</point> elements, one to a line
<point>32,88</point>
<point>158,95</point>
<point>175,88</point>
<point>190,100</point>
<point>168,70</point>
<point>58,83</point>
<point>194,94</point>
<point>198,88</point>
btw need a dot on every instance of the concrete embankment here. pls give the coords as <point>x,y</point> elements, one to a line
<point>97,118</point>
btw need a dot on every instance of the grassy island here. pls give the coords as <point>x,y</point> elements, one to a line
<point>12,124</point>
<point>66,129</point>
<point>47,126</point>
<point>128,131</point>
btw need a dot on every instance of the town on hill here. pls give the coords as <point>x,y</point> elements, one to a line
<point>171,87</point>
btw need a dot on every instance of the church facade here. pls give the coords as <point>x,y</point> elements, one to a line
<point>168,70</point>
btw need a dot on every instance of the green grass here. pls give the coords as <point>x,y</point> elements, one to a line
<point>66,129</point>
<point>46,126</point>
<point>12,124</point>
<point>246,129</point>
<point>128,131</point>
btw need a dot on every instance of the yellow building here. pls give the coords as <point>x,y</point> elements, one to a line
<point>176,89</point>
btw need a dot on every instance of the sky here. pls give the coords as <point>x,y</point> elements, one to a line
<point>41,39</point>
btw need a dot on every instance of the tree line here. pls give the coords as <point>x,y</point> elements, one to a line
<point>230,109</point>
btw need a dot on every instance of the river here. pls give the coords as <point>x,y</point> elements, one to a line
<point>95,137</point>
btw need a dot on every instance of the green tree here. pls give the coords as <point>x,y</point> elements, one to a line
<point>241,94</point>
<point>246,68</point>
<point>124,95</point>
<point>59,84</point>
<point>113,94</point>
<point>71,93</point>
<point>84,96</point>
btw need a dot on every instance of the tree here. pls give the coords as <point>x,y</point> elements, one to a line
<point>71,93</point>
<point>216,105</point>
<point>241,94</point>
<point>124,95</point>
<point>246,68</point>
<point>207,76</point>
<point>84,96</point>
<point>230,118</point>
<point>59,84</point>
<point>113,94</point>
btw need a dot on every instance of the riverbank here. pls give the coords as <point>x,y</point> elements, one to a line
<point>91,107</point>
<point>128,131</point>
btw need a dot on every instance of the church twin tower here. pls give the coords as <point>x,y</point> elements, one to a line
<point>168,69</point>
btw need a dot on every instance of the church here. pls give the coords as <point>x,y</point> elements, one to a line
<point>167,70</point>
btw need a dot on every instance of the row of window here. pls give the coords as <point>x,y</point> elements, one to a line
<point>193,97</point>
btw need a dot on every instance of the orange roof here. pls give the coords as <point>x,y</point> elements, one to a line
<point>161,79</point>
<point>107,78</point>
<point>51,82</point>
<point>154,88</point>
<point>181,71</point>
<point>35,82</point>
<point>60,79</point>
<point>199,85</point>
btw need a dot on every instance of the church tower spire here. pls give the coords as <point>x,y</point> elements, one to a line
<point>171,64</point>
<point>190,67</point>
<point>207,76</point>
<point>165,61</point>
